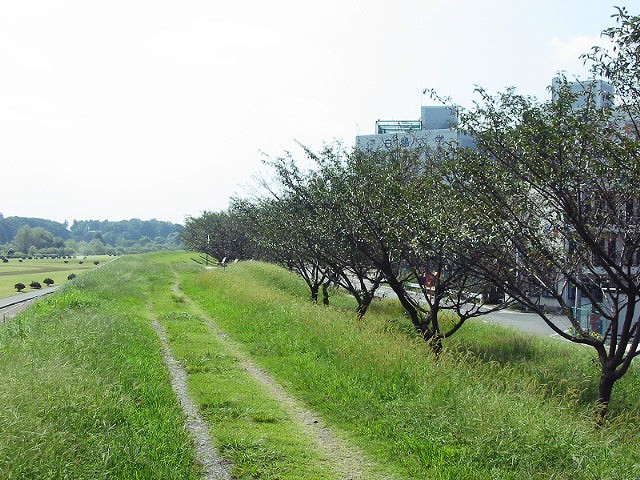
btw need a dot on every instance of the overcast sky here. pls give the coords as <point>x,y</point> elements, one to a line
<point>156,109</point>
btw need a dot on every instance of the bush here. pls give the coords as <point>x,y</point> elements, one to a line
<point>35,285</point>
<point>96,262</point>
<point>71,276</point>
<point>48,281</point>
<point>19,286</point>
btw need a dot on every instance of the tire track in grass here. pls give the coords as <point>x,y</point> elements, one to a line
<point>348,461</point>
<point>215,468</point>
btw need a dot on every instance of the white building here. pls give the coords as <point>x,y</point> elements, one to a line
<point>435,128</point>
<point>599,93</point>
<point>586,91</point>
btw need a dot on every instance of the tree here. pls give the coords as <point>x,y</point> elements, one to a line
<point>280,228</point>
<point>218,234</point>
<point>19,286</point>
<point>554,187</point>
<point>317,203</point>
<point>48,281</point>
<point>31,239</point>
<point>35,285</point>
<point>375,215</point>
<point>96,247</point>
<point>398,218</point>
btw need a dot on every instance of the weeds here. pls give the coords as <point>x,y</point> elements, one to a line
<point>497,403</point>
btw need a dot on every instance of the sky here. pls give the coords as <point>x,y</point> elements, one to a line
<point>166,109</point>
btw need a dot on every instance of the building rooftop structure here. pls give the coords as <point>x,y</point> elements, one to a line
<point>435,127</point>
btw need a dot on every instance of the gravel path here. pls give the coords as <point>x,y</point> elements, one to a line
<point>215,468</point>
<point>348,461</point>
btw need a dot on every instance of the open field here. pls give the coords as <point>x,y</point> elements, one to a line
<point>38,269</point>
<point>84,392</point>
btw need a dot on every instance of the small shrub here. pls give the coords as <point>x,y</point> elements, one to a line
<point>80,262</point>
<point>35,285</point>
<point>71,276</point>
<point>48,281</point>
<point>19,286</point>
<point>96,262</point>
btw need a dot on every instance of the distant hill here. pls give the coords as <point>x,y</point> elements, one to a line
<point>113,233</point>
<point>9,226</point>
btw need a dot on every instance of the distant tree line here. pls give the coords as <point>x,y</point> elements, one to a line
<point>546,206</point>
<point>23,236</point>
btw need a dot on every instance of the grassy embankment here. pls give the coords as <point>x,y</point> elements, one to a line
<point>37,269</point>
<point>496,404</point>
<point>83,392</point>
<point>248,426</point>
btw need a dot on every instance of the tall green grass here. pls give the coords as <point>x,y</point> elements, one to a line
<point>495,404</point>
<point>83,390</point>
<point>249,428</point>
<point>84,393</point>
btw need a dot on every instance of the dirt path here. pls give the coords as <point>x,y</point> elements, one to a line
<point>348,461</point>
<point>215,468</point>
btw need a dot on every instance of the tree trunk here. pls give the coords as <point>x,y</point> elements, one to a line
<point>435,343</point>
<point>436,340</point>
<point>314,293</point>
<point>363,306</point>
<point>607,379</point>
<point>401,293</point>
<point>325,293</point>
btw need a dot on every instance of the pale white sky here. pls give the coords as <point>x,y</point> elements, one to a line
<point>160,109</point>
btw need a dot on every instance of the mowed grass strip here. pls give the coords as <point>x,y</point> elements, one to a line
<point>83,390</point>
<point>37,269</point>
<point>495,404</point>
<point>248,427</point>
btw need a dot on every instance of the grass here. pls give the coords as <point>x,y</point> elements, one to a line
<point>248,426</point>
<point>495,404</point>
<point>37,269</point>
<point>84,393</point>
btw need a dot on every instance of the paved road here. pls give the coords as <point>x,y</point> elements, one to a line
<point>10,306</point>
<point>21,297</point>
<point>525,322</point>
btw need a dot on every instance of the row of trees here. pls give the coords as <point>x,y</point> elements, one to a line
<point>30,236</point>
<point>118,233</point>
<point>40,241</point>
<point>547,201</point>
<point>35,285</point>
